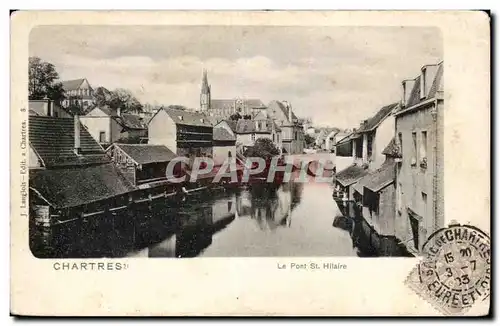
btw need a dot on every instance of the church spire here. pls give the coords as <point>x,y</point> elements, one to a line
<point>205,92</point>
<point>205,88</point>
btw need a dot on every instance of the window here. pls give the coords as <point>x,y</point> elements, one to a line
<point>424,201</point>
<point>253,137</point>
<point>358,145</point>
<point>414,229</point>
<point>414,153</point>
<point>56,114</point>
<point>274,137</point>
<point>295,135</point>
<point>400,198</point>
<point>102,137</point>
<point>369,145</point>
<point>400,136</point>
<point>423,150</point>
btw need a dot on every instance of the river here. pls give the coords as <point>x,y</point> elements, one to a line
<point>294,219</point>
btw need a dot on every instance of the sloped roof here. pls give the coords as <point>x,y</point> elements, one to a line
<point>392,149</point>
<point>346,139</point>
<point>232,124</point>
<point>221,134</point>
<point>374,121</point>
<point>230,103</point>
<point>221,103</point>
<point>70,85</point>
<point>351,174</point>
<point>145,153</point>
<point>437,85</point>
<point>130,121</point>
<point>53,140</point>
<point>279,105</point>
<point>378,179</point>
<point>75,186</point>
<point>190,118</point>
<point>254,103</point>
<point>245,126</point>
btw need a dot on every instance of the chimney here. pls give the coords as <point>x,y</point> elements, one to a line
<point>76,122</point>
<point>408,85</point>
<point>426,79</point>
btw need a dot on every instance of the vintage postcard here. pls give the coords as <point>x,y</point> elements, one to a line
<point>250,163</point>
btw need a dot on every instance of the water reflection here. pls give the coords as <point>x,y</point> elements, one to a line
<point>294,219</point>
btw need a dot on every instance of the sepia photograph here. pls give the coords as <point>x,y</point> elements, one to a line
<point>336,162</point>
<point>110,107</point>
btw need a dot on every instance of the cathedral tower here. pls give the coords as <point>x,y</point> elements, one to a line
<point>205,93</point>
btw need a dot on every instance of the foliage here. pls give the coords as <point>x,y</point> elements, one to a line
<point>309,140</point>
<point>102,96</point>
<point>42,81</point>
<point>125,100</point>
<point>247,117</point>
<point>177,107</point>
<point>119,98</point>
<point>235,116</point>
<point>264,148</point>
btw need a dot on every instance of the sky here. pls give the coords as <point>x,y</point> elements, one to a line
<point>337,76</point>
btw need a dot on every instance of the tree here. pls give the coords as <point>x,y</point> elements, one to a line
<point>102,96</point>
<point>235,116</point>
<point>177,107</point>
<point>264,148</point>
<point>309,140</point>
<point>42,81</point>
<point>247,117</point>
<point>125,100</point>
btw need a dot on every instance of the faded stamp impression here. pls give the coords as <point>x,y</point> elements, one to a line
<point>455,271</point>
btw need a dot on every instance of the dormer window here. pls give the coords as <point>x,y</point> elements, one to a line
<point>422,83</point>
<point>180,117</point>
<point>202,120</point>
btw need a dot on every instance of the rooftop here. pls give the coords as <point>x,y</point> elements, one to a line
<point>70,85</point>
<point>351,174</point>
<point>69,187</point>
<point>145,153</point>
<point>190,118</point>
<point>245,126</point>
<point>375,120</point>
<point>280,106</point>
<point>392,149</point>
<point>53,140</point>
<point>222,134</point>
<point>378,179</point>
<point>437,85</point>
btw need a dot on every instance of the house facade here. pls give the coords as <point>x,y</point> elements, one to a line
<point>70,174</point>
<point>375,195</point>
<point>78,92</point>
<point>248,131</point>
<point>48,108</point>
<point>292,132</point>
<point>107,125</point>
<point>141,163</point>
<point>372,137</point>
<point>419,175</point>
<point>224,143</point>
<point>330,140</point>
<point>183,132</point>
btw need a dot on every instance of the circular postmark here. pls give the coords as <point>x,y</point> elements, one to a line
<point>455,272</point>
